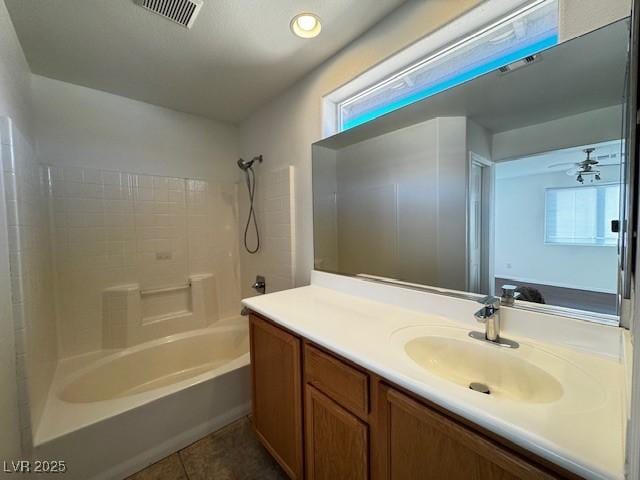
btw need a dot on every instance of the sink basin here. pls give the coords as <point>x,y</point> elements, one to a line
<point>467,361</point>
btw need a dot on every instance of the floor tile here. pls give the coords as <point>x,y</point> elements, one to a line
<point>232,453</point>
<point>169,468</point>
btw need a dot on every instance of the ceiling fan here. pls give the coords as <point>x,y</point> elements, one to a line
<point>587,167</point>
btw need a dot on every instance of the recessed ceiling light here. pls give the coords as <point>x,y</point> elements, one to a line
<point>306,25</point>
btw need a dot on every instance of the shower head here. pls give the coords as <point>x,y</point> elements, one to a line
<point>246,164</point>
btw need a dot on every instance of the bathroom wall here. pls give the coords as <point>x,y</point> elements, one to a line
<point>479,139</point>
<point>325,208</point>
<point>15,95</point>
<point>116,228</point>
<point>392,185</point>
<point>284,129</point>
<point>15,104</point>
<point>27,202</point>
<point>81,127</point>
<point>577,17</point>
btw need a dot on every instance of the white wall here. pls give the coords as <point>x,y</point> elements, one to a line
<point>325,213</point>
<point>479,139</point>
<point>398,201</point>
<point>81,127</point>
<point>14,103</point>
<point>520,251</point>
<point>577,17</point>
<point>387,197</point>
<point>15,99</point>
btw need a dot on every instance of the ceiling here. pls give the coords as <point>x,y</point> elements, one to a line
<point>237,56</point>
<point>559,161</point>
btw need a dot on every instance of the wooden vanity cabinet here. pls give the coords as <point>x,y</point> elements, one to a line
<point>276,366</point>
<point>421,443</point>
<point>359,426</point>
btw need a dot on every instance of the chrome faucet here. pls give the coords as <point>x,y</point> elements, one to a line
<point>489,315</point>
<point>509,295</point>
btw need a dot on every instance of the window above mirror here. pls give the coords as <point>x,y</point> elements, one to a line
<point>517,36</point>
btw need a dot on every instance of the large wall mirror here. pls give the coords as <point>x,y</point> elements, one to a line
<point>514,178</point>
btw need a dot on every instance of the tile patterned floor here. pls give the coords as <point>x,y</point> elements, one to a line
<point>232,453</point>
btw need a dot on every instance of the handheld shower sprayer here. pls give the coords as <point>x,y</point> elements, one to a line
<point>250,177</point>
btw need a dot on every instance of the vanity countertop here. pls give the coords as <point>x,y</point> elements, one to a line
<point>586,438</point>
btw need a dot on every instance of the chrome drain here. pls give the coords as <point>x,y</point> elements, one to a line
<point>480,387</point>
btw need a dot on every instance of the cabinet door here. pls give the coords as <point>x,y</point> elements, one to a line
<point>277,393</point>
<point>336,440</point>
<point>419,442</point>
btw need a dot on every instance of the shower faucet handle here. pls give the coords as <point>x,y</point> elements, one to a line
<point>260,285</point>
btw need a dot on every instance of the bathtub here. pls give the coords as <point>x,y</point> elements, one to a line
<point>111,413</point>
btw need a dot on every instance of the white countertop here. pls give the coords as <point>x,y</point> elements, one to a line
<point>587,440</point>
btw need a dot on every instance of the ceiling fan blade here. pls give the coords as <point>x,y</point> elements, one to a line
<point>572,171</point>
<point>564,164</point>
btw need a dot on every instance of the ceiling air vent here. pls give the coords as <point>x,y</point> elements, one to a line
<point>520,63</point>
<point>183,12</point>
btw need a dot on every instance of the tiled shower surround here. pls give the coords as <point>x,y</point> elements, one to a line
<point>26,195</point>
<point>117,228</point>
<point>75,232</point>
<point>275,210</point>
<point>77,235</point>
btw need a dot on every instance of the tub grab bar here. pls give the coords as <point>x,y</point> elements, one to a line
<point>152,291</point>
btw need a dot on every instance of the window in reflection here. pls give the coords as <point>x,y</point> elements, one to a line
<point>581,215</point>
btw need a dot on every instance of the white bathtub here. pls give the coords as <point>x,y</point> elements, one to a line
<point>111,413</point>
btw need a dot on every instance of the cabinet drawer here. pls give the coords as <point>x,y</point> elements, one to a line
<point>346,385</point>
